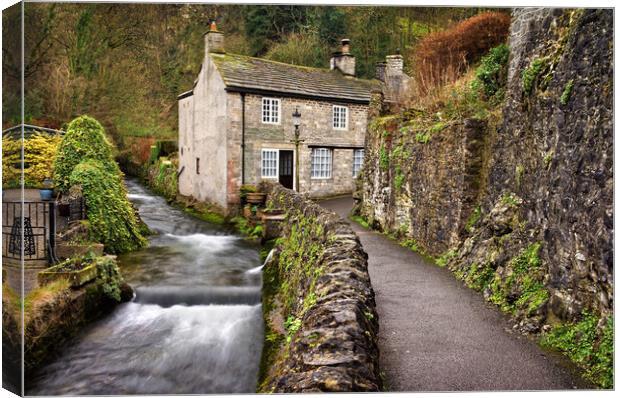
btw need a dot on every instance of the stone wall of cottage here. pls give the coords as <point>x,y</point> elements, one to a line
<point>201,128</point>
<point>316,129</point>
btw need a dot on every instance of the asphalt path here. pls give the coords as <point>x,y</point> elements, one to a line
<point>438,335</point>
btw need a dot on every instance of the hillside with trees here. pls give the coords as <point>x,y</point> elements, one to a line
<point>124,64</point>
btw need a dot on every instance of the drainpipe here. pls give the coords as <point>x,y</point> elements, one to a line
<point>242,138</point>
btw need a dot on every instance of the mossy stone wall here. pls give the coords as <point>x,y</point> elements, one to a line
<point>320,320</point>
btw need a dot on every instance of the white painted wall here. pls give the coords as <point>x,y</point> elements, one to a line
<point>205,139</point>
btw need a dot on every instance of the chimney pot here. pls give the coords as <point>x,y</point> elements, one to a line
<point>394,65</point>
<point>214,40</point>
<point>346,46</point>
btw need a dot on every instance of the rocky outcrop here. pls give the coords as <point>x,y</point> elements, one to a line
<point>320,318</point>
<point>520,208</point>
<point>555,150</point>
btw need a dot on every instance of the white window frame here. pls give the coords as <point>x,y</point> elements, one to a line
<point>262,163</point>
<point>356,170</point>
<point>323,173</point>
<point>340,109</point>
<point>267,104</point>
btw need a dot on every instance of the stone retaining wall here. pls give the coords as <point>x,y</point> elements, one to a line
<point>536,182</point>
<point>424,192</point>
<point>320,320</point>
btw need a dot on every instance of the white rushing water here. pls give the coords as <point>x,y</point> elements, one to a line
<point>195,325</point>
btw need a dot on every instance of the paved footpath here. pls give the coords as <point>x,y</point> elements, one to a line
<point>438,335</point>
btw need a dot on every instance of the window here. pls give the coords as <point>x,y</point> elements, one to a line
<point>271,110</point>
<point>358,160</point>
<point>269,163</point>
<point>321,163</point>
<point>340,117</point>
<point>197,165</point>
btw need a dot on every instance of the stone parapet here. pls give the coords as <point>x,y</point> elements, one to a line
<point>319,306</point>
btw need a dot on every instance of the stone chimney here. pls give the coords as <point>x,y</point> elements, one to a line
<point>214,40</point>
<point>380,71</point>
<point>394,65</point>
<point>343,60</point>
<point>391,73</point>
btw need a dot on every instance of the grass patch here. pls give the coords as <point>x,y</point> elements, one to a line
<point>34,299</point>
<point>410,244</point>
<point>360,220</point>
<point>445,258</point>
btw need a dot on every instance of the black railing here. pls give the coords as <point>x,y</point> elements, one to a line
<point>31,226</point>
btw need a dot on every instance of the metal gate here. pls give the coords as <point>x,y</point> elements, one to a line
<point>28,228</point>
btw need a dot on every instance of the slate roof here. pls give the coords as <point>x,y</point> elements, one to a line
<point>243,73</point>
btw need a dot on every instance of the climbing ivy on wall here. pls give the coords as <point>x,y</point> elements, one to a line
<point>85,139</point>
<point>112,219</point>
<point>85,158</point>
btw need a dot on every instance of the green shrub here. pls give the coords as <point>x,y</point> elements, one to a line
<point>85,139</point>
<point>39,153</point>
<point>111,216</point>
<point>492,73</point>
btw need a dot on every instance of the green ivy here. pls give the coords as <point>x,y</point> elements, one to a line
<point>292,325</point>
<point>112,219</point>
<point>445,258</point>
<point>478,277</point>
<point>536,72</point>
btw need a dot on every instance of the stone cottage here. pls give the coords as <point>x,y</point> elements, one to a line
<point>236,125</point>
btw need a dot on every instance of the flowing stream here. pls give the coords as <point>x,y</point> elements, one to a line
<point>194,327</point>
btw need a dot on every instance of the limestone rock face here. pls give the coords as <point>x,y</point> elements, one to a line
<point>555,150</point>
<point>539,176</point>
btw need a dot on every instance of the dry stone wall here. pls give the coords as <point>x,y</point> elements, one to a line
<point>320,320</point>
<point>422,191</point>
